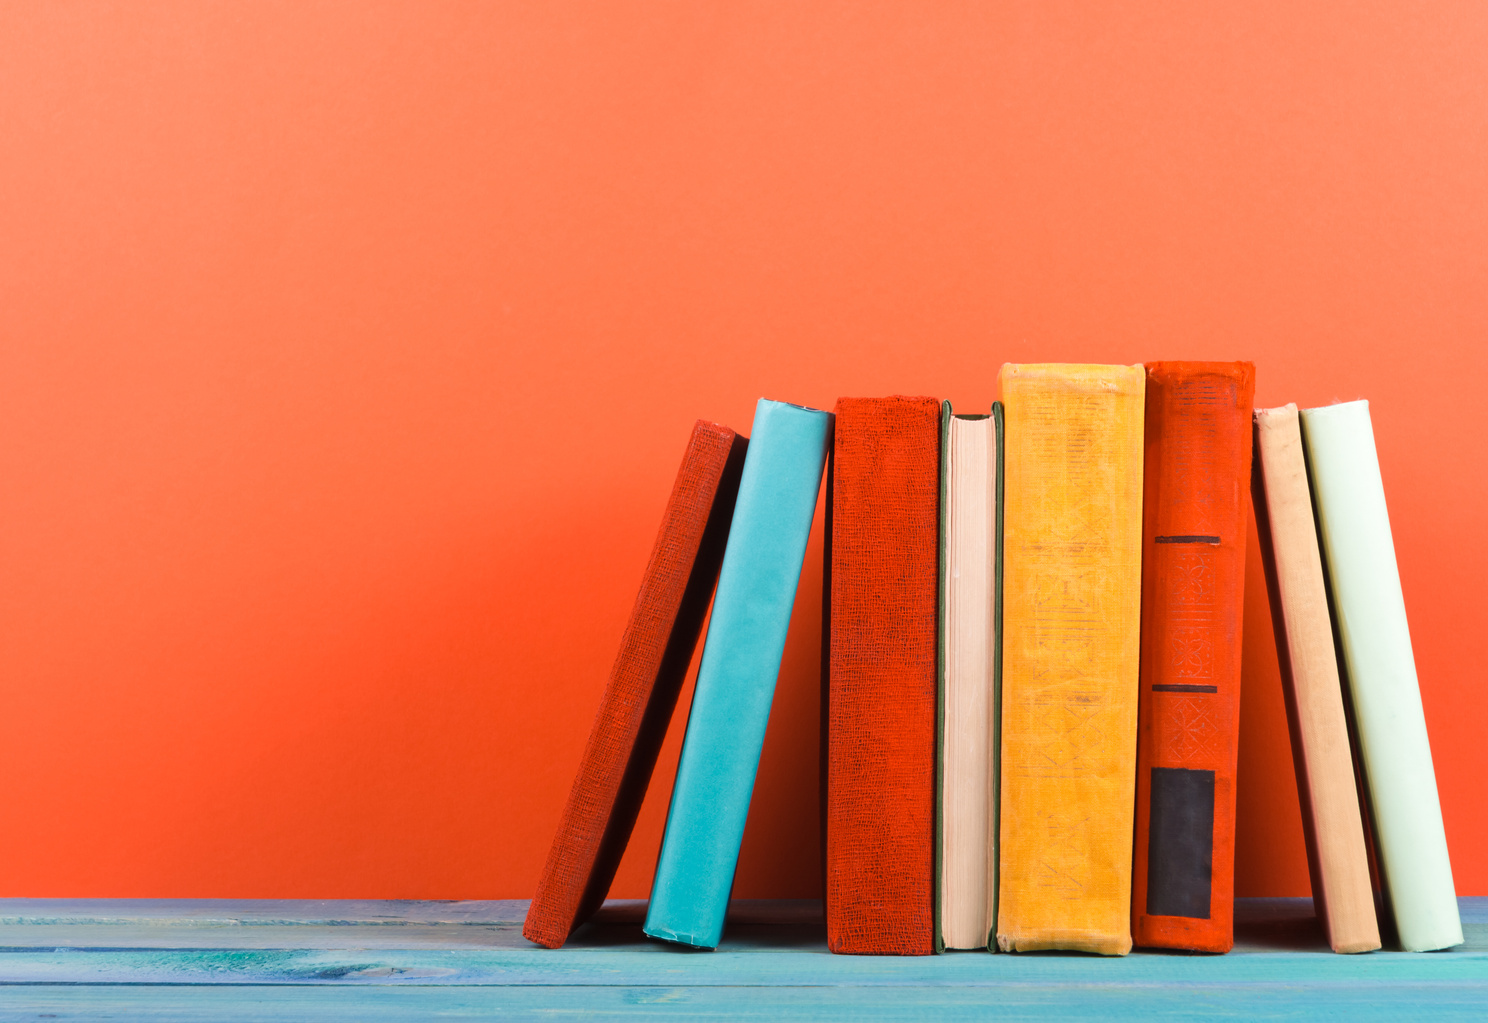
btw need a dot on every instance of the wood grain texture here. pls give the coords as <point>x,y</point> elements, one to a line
<point>1268,1000</point>
<point>81,960</point>
<point>178,961</point>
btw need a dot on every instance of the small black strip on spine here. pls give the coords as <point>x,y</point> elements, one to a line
<point>1180,843</point>
<point>1185,539</point>
<point>1166,688</point>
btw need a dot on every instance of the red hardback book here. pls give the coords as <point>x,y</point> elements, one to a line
<point>638,701</point>
<point>1196,475</point>
<point>883,570</point>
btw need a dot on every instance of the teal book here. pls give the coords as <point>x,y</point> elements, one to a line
<point>736,680</point>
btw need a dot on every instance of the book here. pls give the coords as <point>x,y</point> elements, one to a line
<point>1195,472</point>
<point>736,679</point>
<point>1071,630</point>
<point>970,661</point>
<point>1380,671</point>
<point>641,694</point>
<point>1332,826</point>
<point>881,677</point>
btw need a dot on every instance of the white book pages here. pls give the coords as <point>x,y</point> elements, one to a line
<point>968,601</point>
<point>1381,674</point>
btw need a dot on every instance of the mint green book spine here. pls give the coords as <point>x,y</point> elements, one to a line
<point>1369,610</point>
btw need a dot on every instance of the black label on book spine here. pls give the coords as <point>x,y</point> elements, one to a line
<point>1180,843</point>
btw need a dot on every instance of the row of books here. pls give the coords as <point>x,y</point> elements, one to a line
<point>1031,669</point>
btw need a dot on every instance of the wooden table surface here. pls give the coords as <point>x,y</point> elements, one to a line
<point>177,960</point>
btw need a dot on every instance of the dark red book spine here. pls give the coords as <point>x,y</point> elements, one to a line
<point>881,685</point>
<point>1195,477</point>
<point>647,677</point>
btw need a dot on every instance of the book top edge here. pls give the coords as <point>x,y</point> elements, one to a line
<point>707,426</point>
<point>1072,369</point>
<point>763,402</point>
<point>1337,409</point>
<point>1079,376</point>
<point>914,399</point>
<point>1193,368</point>
<point>1280,411</point>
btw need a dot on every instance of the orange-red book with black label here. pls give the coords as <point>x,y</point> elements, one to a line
<point>644,683</point>
<point>1195,478</point>
<point>883,565</point>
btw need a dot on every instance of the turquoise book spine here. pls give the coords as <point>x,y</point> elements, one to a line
<point>736,680</point>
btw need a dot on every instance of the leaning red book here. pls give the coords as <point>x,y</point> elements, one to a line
<point>644,683</point>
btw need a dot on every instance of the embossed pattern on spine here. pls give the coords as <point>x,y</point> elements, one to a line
<point>642,690</point>
<point>882,676</point>
<point>1071,631</point>
<point>1196,469</point>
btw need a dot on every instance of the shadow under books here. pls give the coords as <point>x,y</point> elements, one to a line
<point>798,925</point>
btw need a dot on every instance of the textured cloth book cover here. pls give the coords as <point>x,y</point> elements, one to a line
<point>641,694</point>
<point>1380,670</point>
<point>736,679</point>
<point>1195,473</point>
<point>880,794</point>
<point>1332,824</point>
<point>1072,564</point>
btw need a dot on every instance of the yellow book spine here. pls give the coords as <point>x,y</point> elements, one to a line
<point>1072,623</point>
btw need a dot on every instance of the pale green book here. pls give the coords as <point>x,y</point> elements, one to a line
<point>1369,609</point>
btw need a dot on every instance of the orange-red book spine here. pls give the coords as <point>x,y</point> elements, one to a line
<point>642,691</point>
<point>883,564</point>
<point>1195,477</point>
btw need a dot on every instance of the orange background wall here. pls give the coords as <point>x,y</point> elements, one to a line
<point>347,351</point>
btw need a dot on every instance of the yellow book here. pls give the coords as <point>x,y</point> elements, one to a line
<point>1071,635</point>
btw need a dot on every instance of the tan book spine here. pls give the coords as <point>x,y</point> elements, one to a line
<point>1072,594</point>
<point>1331,819</point>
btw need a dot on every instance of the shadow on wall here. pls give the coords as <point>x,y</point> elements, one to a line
<point>1270,858</point>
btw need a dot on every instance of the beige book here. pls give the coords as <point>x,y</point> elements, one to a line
<point>1331,819</point>
<point>969,584</point>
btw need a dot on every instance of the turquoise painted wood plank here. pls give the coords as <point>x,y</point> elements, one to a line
<point>396,945</point>
<point>315,911</point>
<point>1090,1002</point>
<point>644,966</point>
<point>372,961</point>
<point>359,912</point>
<point>144,923</point>
<point>1261,924</point>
